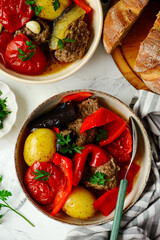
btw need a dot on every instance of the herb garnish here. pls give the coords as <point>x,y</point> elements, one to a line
<point>4,195</point>
<point>25,57</point>
<point>98,178</point>
<point>56,4</point>
<point>67,147</point>
<point>3,110</point>
<point>102,134</point>
<point>41,175</point>
<point>33,6</point>
<point>61,42</point>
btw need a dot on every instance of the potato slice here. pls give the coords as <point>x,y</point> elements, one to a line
<point>62,25</point>
<point>48,11</point>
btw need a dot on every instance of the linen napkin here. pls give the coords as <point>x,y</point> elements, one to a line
<point>142,220</point>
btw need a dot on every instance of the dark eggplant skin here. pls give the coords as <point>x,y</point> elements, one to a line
<point>62,114</point>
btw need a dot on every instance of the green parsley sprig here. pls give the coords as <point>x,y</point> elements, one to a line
<point>41,175</point>
<point>98,178</point>
<point>4,195</point>
<point>34,7</point>
<point>102,134</point>
<point>3,110</point>
<point>61,42</point>
<point>67,147</point>
<point>56,4</point>
<point>25,57</point>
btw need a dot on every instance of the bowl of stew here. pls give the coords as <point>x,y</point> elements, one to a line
<point>50,40</point>
<point>73,150</point>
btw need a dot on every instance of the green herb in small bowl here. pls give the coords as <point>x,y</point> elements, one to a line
<point>3,110</point>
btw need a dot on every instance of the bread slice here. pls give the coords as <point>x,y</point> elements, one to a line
<point>148,59</point>
<point>119,20</point>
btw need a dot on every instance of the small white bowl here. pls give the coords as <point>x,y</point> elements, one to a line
<point>143,155</point>
<point>97,24</point>
<point>11,105</point>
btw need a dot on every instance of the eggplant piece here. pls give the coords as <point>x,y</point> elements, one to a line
<point>62,114</point>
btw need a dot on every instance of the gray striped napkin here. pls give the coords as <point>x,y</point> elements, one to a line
<point>142,220</point>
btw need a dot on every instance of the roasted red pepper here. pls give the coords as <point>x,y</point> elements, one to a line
<point>77,97</point>
<point>98,157</point>
<point>56,130</point>
<point>65,165</point>
<point>5,38</point>
<point>121,147</point>
<point>14,14</point>
<point>83,5</point>
<point>114,129</point>
<point>99,118</point>
<point>44,191</point>
<point>107,202</point>
<point>35,64</point>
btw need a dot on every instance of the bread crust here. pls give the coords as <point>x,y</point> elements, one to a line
<point>119,20</point>
<point>148,59</point>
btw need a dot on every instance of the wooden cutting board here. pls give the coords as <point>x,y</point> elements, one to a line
<point>125,55</point>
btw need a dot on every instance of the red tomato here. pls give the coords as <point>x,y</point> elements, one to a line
<point>35,65</point>
<point>44,191</point>
<point>5,38</point>
<point>121,147</point>
<point>14,14</point>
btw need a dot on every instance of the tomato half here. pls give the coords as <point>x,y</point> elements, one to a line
<point>33,66</point>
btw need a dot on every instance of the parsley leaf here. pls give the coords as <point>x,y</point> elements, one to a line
<point>67,147</point>
<point>4,195</point>
<point>3,110</point>
<point>33,6</point>
<point>56,4</point>
<point>98,178</point>
<point>25,57</point>
<point>102,134</point>
<point>41,175</point>
<point>61,42</point>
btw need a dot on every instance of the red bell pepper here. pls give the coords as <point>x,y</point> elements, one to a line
<point>98,157</point>
<point>56,130</point>
<point>31,66</point>
<point>107,202</point>
<point>5,38</point>
<point>99,118</point>
<point>65,165</point>
<point>14,14</point>
<point>121,147</point>
<point>83,5</point>
<point>114,129</point>
<point>134,169</point>
<point>77,97</point>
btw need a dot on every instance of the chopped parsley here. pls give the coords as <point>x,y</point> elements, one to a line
<point>102,134</point>
<point>41,175</point>
<point>27,56</point>
<point>67,147</point>
<point>61,42</point>
<point>34,7</point>
<point>56,4</point>
<point>3,110</point>
<point>98,178</point>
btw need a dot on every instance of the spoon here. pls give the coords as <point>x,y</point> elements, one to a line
<point>123,185</point>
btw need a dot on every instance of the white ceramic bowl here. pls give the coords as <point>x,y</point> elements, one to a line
<point>143,154</point>
<point>97,23</point>
<point>11,105</point>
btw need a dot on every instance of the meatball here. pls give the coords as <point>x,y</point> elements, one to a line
<point>73,51</point>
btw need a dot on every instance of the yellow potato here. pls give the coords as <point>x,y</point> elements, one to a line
<point>79,204</point>
<point>48,11</point>
<point>40,145</point>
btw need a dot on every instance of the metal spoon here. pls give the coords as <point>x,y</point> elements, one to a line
<point>123,186</point>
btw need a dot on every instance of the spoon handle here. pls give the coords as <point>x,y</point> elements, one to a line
<point>119,209</point>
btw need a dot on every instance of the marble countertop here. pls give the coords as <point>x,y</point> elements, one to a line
<point>100,73</point>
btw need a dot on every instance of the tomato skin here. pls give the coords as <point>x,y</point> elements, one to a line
<point>121,147</point>
<point>5,38</point>
<point>14,14</point>
<point>33,66</point>
<point>44,191</point>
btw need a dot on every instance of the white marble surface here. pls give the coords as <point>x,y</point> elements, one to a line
<point>100,73</point>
